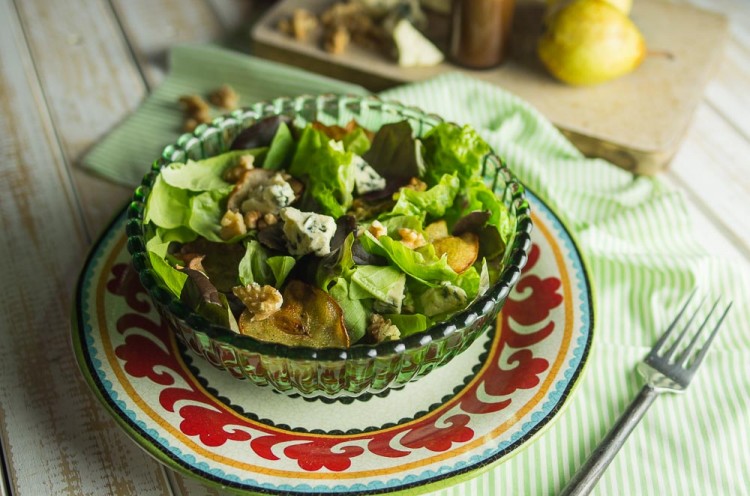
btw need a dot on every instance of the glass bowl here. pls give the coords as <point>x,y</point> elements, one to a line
<point>327,373</point>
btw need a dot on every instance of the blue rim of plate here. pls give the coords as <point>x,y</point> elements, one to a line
<point>156,446</point>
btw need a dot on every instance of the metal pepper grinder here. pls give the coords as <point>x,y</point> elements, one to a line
<point>480,32</point>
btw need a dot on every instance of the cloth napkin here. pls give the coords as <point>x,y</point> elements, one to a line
<point>643,253</point>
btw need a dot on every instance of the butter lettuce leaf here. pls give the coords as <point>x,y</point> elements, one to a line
<point>356,311</point>
<point>254,265</point>
<point>422,264</point>
<point>167,206</point>
<point>450,148</point>
<point>384,283</point>
<point>281,149</point>
<point>432,202</point>
<point>206,174</point>
<point>173,279</point>
<point>481,197</point>
<point>409,324</point>
<point>205,214</point>
<point>280,267</point>
<point>327,169</point>
<point>357,141</point>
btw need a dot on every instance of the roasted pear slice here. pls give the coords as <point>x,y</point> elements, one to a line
<point>437,230</point>
<point>308,317</point>
<point>462,250</point>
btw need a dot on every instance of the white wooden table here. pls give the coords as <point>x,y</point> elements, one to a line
<point>69,72</point>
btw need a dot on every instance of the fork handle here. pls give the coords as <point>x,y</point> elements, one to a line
<point>589,474</point>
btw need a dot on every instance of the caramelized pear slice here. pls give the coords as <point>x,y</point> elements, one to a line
<point>437,230</point>
<point>308,317</point>
<point>462,250</point>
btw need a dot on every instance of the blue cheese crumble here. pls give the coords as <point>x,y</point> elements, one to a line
<point>366,179</point>
<point>307,232</point>
<point>269,196</point>
<point>442,299</point>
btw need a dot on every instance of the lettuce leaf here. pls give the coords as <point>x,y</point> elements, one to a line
<point>280,150</point>
<point>481,197</point>
<point>449,148</point>
<point>384,283</point>
<point>422,265</point>
<point>280,267</point>
<point>206,174</point>
<point>409,324</point>
<point>173,279</point>
<point>432,202</point>
<point>205,214</point>
<point>395,153</point>
<point>393,224</point>
<point>355,311</point>
<point>328,171</point>
<point>357,141</point>
<point>339,263</point>
<point>254,267</point>
<point>167,206</point>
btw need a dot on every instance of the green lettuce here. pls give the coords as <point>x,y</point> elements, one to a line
<point>393,224</point>
<point>384,283</point>
<point>280,150</point>
<point>280,267</point>
<point>356,141</point>
<point>449,148</point>
<point>432,202</point>
<point>173,278</point>
<point>356,311</point>
<point>167,206</point>
<point>206,174</point>
<point>481,197</point>
<point>254,265</point>
<point>423,264</point>
<point>409,324</point>
<point>328,171</point>
<point>206,211</point>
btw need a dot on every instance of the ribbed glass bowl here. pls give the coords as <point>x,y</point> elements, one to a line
<point>328,373</point>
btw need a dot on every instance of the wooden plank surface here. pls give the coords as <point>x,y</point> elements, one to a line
<point>89,84</point>
<point>56,437</point>
<point>68,73</point>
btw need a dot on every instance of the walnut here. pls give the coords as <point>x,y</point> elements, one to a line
<point>234,174</point>
<point>377,229</point>
<point>267,220</point>
<point>224,97</point>
<point>300,25</point>
<point>194,105</point>
<point>196,111</point>
<point>251,219</point>
<point>189,125</point>
<point>232,224</point>
<point>416,184</point>
<point>261,301</point>
<point>336,39</point>
<point>381,329</point>
<point>411,238</point>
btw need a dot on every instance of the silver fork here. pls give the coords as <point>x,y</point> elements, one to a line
<point>664,374</point>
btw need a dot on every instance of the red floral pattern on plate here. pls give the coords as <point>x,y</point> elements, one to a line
<point>150,353</point>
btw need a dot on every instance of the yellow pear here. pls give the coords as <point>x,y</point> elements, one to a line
<point>623,6</point>
<point>589,42</point>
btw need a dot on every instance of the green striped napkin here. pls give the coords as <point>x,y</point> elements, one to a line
<point>126,154</point>
<point>644,255</point>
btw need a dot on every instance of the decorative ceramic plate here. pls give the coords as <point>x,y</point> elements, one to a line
<point>477,410</point>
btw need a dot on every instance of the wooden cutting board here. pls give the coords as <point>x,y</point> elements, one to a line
<point>636,122</point>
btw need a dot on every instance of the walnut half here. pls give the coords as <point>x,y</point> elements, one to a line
<point>261,301</point>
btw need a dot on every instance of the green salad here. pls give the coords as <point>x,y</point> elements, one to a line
<point>328,236</point>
